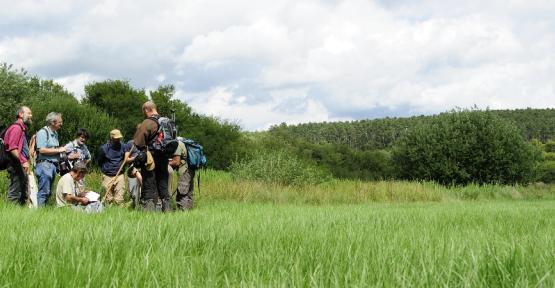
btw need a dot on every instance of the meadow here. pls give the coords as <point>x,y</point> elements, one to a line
<point>342,233</point>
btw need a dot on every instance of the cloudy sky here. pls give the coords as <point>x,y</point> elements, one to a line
<point>260,63</point>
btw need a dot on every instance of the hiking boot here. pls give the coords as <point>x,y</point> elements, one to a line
<point>149,206</point>
<point>166,205</point>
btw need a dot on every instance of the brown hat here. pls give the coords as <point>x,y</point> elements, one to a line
<point>115,134</point>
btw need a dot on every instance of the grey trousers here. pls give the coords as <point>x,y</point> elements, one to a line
<point>17,190</point>
<point>185,187</point>
<point>134,188</point>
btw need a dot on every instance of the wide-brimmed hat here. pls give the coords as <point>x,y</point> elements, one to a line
<point>115,134</point>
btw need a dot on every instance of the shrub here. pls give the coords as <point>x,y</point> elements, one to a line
<point>279,167</point>
<point>549,146</point>
<point>546,172</point>
<point>466,146</point>
<point>549,156</point>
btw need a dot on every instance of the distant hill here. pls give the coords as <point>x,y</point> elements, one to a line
<point>383,133</point>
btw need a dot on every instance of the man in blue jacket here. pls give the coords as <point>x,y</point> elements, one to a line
<point>110,158</point>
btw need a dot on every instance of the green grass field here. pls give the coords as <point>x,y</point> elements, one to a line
<point>241,239</point>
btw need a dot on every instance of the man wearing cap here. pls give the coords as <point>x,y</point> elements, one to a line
<point>110,159</point>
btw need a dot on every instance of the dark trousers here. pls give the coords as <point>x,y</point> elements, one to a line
<point>155,182</point>
<point>17,191</point>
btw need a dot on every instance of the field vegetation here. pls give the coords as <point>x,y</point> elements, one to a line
<point>460,199</point>
<point>253,233</point>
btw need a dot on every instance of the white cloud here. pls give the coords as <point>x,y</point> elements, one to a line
<point>267,62</point>
<point>76,83</point>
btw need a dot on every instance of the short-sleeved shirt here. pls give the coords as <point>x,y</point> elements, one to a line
<point>46,138</point>
<point>73,147</point>
<point>66,185</point>
<point>181,151</point>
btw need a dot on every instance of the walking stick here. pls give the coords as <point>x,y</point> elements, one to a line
<point>111,183</point>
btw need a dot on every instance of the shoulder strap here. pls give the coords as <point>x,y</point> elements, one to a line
<point>45,131</point>
<point>155,119</point>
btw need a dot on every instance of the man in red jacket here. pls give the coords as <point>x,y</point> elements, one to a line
<point>15,142</point>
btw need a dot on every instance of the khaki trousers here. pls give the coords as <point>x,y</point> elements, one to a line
<point>114,193</point>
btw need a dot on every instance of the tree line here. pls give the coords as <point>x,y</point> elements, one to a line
<point>113,104</point>
<point>455,147</point>
<point>384,133</point>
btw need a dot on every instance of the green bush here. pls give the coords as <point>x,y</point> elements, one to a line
<point>467,146</point>
<point>76,115</point>
<point>546,172</point>
<point>279,167</point>
<point>549,146</point>
<point>549,156</point>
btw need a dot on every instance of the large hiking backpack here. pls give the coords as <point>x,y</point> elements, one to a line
<point>195,154</point>
<point>165,138</point>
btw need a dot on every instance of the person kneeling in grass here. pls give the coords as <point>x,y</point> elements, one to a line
<point>67,191</point>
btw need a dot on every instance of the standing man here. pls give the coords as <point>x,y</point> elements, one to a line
<point>110,159</point>
<point>16,144</point>
<point>155,182</point>
<point>185,180</point>
<point>48,147</point>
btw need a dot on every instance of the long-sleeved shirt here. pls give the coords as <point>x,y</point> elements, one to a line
<point>15,139</point>
<point>110,158</point>
<point>145,133</point>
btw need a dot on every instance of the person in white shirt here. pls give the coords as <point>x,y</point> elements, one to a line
<point>68,191</point>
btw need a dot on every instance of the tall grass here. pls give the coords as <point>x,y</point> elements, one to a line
<point>229,244</point>
<point>279,167</point>
<point>219,185</point>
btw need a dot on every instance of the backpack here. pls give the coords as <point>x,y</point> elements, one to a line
<point>5,157</point>
<point>165,136</point>
<point>195,154</point>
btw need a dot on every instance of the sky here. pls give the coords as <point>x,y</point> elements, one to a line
<point>261,63</point>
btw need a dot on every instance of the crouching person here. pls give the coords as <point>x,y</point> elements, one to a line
<point>68,194</point>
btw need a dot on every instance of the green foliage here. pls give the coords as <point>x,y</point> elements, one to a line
<point>227,244</point>
<point>549,156</point>
<point>13,91</point>
<point>114,104</point>
<point>546,171</point>
<point>340,160</point>
<point>384,133</point>
<point>279,167</point>
<point>222,140</point>
<point>119,100</point>
<point>462,147</point>
<point>74,116</point>
<point>549,146</point>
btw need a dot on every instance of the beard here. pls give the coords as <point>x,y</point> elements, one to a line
<point>27,121</point>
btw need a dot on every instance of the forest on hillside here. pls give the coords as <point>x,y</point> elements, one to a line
<point>383,133</point>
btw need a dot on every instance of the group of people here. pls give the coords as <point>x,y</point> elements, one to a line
<point>148,169</point>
